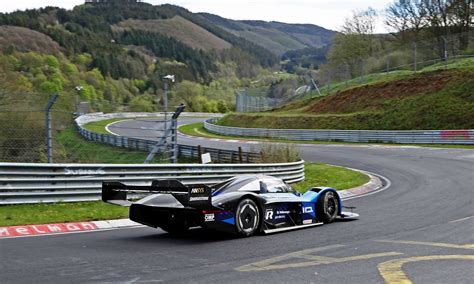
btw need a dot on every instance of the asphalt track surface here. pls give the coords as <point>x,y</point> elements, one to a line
<point>420,229</point>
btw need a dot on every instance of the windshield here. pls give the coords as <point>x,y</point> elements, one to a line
<point>237,184</point>
<point>269,184</point>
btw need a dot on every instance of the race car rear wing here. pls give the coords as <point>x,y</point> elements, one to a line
<point>196,196</point>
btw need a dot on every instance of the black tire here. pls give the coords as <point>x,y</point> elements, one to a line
<point>327,207</point>
<point>176,229</point>
<point>247,218</point>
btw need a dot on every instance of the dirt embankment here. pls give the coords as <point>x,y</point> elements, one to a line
<point>374,97</point>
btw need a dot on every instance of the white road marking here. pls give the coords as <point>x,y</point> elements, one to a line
<point>462,219</point>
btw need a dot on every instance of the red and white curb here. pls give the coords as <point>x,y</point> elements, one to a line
<point>64,228</point>
<point>219,139</point>
<point>376,184</point>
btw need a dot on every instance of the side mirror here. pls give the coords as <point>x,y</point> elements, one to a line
<point>263,187</point>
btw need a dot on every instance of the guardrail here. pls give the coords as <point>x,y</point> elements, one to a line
<point>217,155</point>
<point>97,116</point>
<point>369,136</point>
<point>33,183</point>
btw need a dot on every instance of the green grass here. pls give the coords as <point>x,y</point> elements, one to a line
<point>11,215</point>
<point>74,148</point>
<point>197,129</point>
<point>99,126</point>
<point>317,174</point>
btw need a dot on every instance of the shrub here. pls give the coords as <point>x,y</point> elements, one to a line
<point>279,153</point>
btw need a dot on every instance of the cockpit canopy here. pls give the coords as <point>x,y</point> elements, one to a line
<point>257,184</point>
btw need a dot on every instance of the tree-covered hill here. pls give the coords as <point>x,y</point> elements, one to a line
<point>276,36</point>
<point>115,55</point>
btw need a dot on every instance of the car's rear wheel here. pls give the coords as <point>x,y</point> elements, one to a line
<point>327,207</point>
<point>247,218</point>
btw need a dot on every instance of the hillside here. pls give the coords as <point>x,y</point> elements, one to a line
<point>275,36</point>
<point>442,99</point>
<point>24,39</point>
<point>179,28</point>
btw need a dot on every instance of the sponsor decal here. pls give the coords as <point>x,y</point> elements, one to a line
<point>29,230</point>
<point>203,198</point>
<point>306,222</point>
<point>209,218</point>
<point>269,214</point>
<point>283,212</point>
<point>308,209</point>
<point>198,190</point>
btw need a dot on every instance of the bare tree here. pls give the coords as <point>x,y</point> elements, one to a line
<point>407,18</point>
<point>361,22</point>
<point>460,15</point>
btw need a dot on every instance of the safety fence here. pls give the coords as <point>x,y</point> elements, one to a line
<point>465,137</point>
<point>98,116</point>
<point>217,155</point>
<point>22,183</point>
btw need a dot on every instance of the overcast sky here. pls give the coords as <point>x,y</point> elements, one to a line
<point>326,13</point>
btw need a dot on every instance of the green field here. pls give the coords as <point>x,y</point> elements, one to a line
<point>317,174</point>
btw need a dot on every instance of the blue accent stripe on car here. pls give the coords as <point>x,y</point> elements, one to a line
<point>229,221</point>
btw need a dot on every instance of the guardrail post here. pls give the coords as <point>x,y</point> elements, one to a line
<point>49,130</point>
<point>240,155</point>
<point>200,154</point>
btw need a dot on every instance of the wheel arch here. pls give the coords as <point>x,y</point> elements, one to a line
<point>320,192</point>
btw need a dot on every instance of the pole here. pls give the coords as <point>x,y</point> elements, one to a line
<point>49,128</point>
<point>415,63</point>
<point>174,140</point>
<point>170,132</point>
<point>445,53</point>
<point>165,98</point>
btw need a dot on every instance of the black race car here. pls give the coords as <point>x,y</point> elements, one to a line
<point>243,205</point>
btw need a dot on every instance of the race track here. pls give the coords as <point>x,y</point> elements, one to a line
<point>420,229</point>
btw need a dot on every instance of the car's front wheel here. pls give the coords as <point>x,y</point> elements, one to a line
<point>327,207</point>
<point>247,218</point>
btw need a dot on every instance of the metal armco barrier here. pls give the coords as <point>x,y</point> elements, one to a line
<point>370,136</point>
<point>217,155</point>
<point>33,183</point>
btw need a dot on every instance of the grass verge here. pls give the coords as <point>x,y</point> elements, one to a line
<point>78,150</point>
<point>340,178</point>
<point>317,174</point>
<point>11,215</point>
<point>73,148</point>
<point>99,126</point>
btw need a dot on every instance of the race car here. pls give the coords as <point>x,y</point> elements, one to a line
<point>242,205</point>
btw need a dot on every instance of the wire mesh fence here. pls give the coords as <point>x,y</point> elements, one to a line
<point>24,135</point>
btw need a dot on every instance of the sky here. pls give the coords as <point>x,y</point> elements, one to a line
<point>326,13</point>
